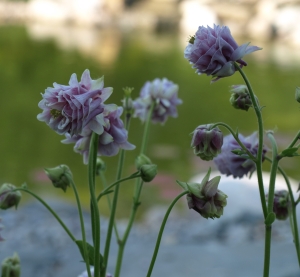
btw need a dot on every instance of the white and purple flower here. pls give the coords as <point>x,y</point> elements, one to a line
<point>67,109</point>
<point>113,137</point>
<point>213,51</point>
<point>231,164</point>
<point>164,94</point>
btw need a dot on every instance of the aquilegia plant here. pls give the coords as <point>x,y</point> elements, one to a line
<point>81,113</point>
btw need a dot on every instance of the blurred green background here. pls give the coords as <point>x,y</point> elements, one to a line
<point>29,64</point>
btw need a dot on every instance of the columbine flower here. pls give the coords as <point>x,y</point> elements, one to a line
<point>205,198</point>
<point>69,109</point>
<point>9,197</point>
<point>213,51</point>
<point>281,204</point>
<point>240,97</point>
<point>60,176</point>
<point>113,138</point>
<point>164,94</point>
<point>232,164</point>
<point>207,141</point>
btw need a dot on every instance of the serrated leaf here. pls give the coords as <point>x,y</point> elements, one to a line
<point>90,250</point>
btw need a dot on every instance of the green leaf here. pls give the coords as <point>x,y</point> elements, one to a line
<point>270,218</point>
<point>290,152</point>
<point>90,250</point>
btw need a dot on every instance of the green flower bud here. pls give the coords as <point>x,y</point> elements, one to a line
<point>240,97</point>
<point>9,197</point>
<point>11,266</point>
<point>148,172</point>
<point>60,176</point>
<point>297,94</point>
<point>206,198</point>
<point>281,204</point>
<point>142,160</point>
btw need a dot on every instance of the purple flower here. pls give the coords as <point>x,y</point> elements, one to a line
<point>69,109</point>
<point>213,51</point>
<point>207,141</point>
<point>231,164</point>
<point>164,94</point>
<point>113,137</point>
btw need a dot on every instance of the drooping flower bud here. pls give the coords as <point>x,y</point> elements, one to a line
<point>207,142</point>
<point>297,94</point>
<point>206,198</point>
<point>148,172</point>
<point>282,204</point>
<point>11,266</point>
<point>142,160</point>
<point>240,97</point>
<point>9,197</point>
<point>60,176</point>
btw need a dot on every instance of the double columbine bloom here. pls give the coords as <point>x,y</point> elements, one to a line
<point>163,94</point>
<point>213,51</point>
<point>206,198</point>
<point>77,110</point>
<point>230,163</point>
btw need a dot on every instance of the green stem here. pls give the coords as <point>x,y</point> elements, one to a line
<point>137,193</point>
<point>294,141</point>
<point>236,137</point>
<point>95,215</point>
<point>294,224</point>
<point>51,211</point>
<point>162,227</point>
<point>268,226</point>
<point>135,175</point>
<point>259,160</point>
<point>85,251</point>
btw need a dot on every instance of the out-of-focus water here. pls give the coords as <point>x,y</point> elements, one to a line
<point>33,57</point>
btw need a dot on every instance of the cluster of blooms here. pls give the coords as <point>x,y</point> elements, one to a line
<point>232,164</point>
<point>161,92</point>
<point>214,51</point>
<point>78,109</point>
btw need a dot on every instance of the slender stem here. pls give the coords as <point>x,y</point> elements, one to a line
<point>95,215</point>
<point>111,223</point>
<point>236,138</point>
<point>137,193</point>
<point>294,224</point>
<point>268,226</point>
<point>294,141</point>
<point>135,175</point>
<point>51,211</point>
<point>259,160</point>
<point>85,251</point>
<point>162,227</point>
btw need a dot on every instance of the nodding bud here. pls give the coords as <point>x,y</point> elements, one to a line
<point>60,176</point>
<point>9,197</point>
<point>282,204</point>
<point>207,141</point>
<point>11,266</point>
<point>142,160</point>
<point>148,172</point>
<point>240,97</point>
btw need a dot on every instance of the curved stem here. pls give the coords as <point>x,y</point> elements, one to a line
<point>51,211</point>
<point>294,141</point>
<point>259,160</point>
<point>162,227</point>
<point>236,138</point>
<point>85,251</point>
<point>95,215</point>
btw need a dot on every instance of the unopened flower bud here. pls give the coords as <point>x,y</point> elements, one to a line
<point>9,197</point>
<point>60,176</point>
<point>11,266</point>
<point>206,198</point>
<point>240,97</point>
<point>127,101</point>
<point>142,160</point>
<point>297,94</point>
<point>100,166</point>
<point>281,204</point>
<point>207,142</point>
<point>148,172</point>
